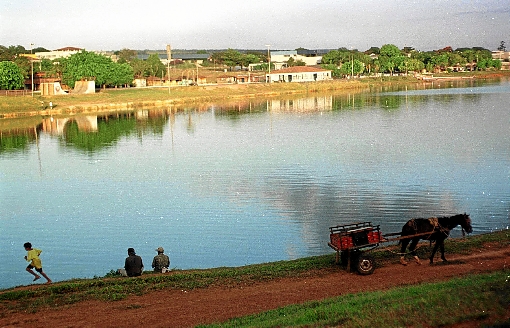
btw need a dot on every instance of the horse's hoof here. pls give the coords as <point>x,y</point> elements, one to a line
<point>417,260</point>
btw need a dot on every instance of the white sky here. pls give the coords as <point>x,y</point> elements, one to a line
<point>247,24</point>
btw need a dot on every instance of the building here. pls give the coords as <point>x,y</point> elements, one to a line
<point>504,57</point>
<point>280,58</point>
<point>178,58</point>
<point>299,74</point>
<point>59,53</point>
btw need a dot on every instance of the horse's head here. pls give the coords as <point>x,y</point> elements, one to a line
<point>465,223</point>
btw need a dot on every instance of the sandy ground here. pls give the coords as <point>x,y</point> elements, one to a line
<point>178,308</point>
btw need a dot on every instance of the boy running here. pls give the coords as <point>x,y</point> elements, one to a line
<point>35,262</point>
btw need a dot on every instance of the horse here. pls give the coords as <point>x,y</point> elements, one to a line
<point>433,229</point>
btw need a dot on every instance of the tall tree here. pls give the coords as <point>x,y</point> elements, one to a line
<point>390,58</point>
<point>154,66</point>
<point>89,65</point>
<point>11,77</point>
<point>231,58</point>
<point>126,55</point>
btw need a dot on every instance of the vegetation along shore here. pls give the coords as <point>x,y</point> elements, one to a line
<point>113,100</point>
<point>471,290</point>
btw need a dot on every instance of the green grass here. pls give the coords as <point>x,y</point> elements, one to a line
<point>116,288</point>
<point>112,287</point>
<point>466,299</point>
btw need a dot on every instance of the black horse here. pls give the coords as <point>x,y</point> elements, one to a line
<point>433,229</point>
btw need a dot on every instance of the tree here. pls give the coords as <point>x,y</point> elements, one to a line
<point>139,67</point>
<point>11,77</point>
<point>126,55</point>
<point>373,50</point>
<point>46,66</point>
<point>390,50</point>
<point>11,52</point>
<point>246,60</point>
<point>154,66</point>
<point>440,61</point>
<point>411,64</point>
<point>24,65</point>
<point>502,46</point>
<point>39,49</point>
<point>231,58</point>
<point>354,67</point>
<point>89,65</point>
<point>335,71</point>
<point>390,58</point>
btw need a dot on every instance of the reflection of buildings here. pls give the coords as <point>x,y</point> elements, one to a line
<point>57,126</point>
<point>310,104</point>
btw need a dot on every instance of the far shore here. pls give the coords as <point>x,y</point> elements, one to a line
<point>116,100</point>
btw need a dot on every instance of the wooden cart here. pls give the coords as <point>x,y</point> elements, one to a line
<point>352,241</point>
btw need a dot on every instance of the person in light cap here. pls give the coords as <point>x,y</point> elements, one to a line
<point>161,262</point>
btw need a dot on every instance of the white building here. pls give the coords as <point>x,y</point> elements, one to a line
<point>299,74</point>
<point>280,58</point>
<point>59,53</point>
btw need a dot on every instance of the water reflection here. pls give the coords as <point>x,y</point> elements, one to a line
<point>93,132</point>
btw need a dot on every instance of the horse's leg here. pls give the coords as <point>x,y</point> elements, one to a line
<point>434,250</point>
<point>404,242</point>
<point>441,248</point>
<point>412,248</point>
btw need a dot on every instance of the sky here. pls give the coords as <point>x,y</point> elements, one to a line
<point>245,24</point>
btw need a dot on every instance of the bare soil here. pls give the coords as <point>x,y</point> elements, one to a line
<point>180,308</point>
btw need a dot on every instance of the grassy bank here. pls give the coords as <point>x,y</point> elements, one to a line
<point>392,306</point>
<point>133,98</point>
<point>138,98</point>
<point>468,299</point>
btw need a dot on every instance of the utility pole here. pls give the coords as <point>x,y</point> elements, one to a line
<point>32,66</point>
<point>168,57</point>
<point>352,67</point>
<point>269,62</point>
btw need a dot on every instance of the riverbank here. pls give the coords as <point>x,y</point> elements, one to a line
<point>115,100</point>
<point>468,291</point>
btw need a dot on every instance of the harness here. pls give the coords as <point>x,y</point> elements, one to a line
<point>436,227</point>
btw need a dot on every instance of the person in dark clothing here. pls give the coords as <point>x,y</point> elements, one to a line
<point>133,264</point>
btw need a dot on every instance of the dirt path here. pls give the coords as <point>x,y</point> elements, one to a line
<point>176,308</point>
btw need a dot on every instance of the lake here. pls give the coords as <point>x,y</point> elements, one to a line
<point>256,181</point>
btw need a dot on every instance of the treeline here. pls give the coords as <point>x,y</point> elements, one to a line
<point>15,66</point>
<point>390,59</point>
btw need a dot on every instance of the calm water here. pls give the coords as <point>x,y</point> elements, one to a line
<point>253,182</point>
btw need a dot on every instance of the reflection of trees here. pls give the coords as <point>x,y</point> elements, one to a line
<point>14,143</point>
<point>235,110</point>
<point>107,134</point>
<point>17,139</point>
<point>111,128</point>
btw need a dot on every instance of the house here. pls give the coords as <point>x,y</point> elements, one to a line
<point>178,58</point>
<point>280,58</point>
<point>504,57</point>
<point>59,53</point>
<point>225,79</point>
<point>299,74</point>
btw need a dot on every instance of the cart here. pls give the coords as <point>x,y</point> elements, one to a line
<point>352,241</point>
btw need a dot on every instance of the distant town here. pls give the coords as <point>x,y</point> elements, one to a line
<point>59,71</point>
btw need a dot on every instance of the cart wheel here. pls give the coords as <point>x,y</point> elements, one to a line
<point>366,264</point>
